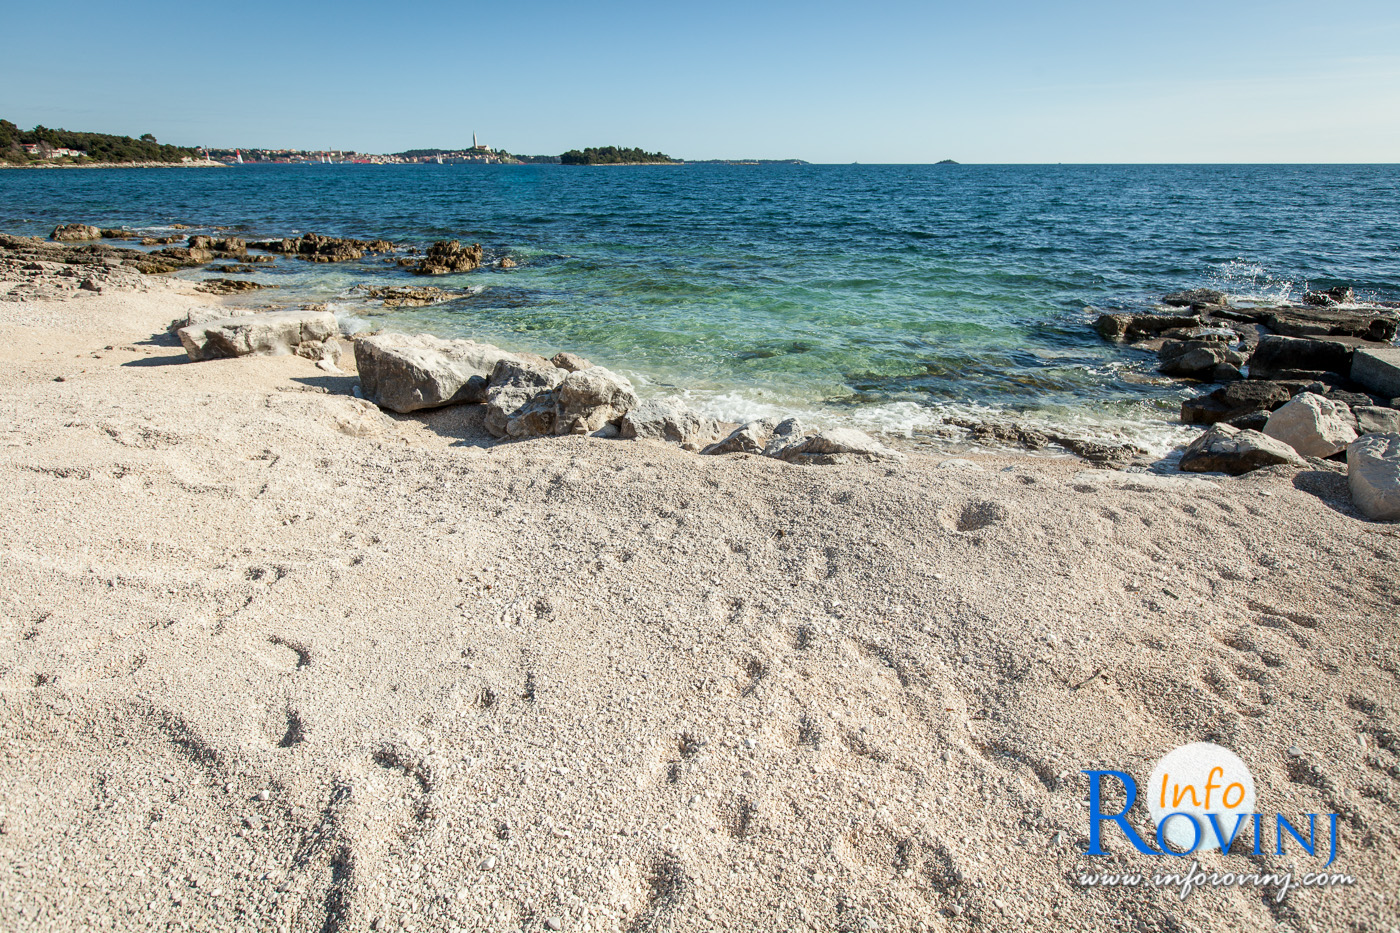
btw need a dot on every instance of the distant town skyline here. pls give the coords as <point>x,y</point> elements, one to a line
<point>1084,81</point>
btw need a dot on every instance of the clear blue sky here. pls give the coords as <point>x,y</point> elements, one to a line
<point>1012,81</point>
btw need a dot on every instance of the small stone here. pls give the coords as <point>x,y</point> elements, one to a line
<point>554,923</point>
<point>488,863</point>
<point>571,362</point>
<point>1058,839</point>
<point>264,795</point>
<point>751,742</point>
<point>1295,752</point>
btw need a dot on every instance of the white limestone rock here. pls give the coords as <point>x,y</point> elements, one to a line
<point>670,420</point>
<point>837,445</point>
<point>748,438</point>
<point>1373,473</point>
<point>1313,425</point>
<point>590,398</point>
<point>312,334</point>
<point>520,400</point>
<point>1227,449</point>
<point>406,373</point>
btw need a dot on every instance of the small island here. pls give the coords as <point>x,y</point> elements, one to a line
<point>947,162</point>
<point>613,155</point>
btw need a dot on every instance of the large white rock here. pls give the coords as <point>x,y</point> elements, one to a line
<point>312,334</point>
<point>1227,449</point>
<point>405,373</point>
<point>205,315</point>
<point>1313,425</point>
<point>520,401</point>
<point>670,420</point>
<point>1373,472</point>
<point>789,432</point>
<point>590,398</point>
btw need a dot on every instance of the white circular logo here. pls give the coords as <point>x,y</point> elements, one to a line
<point>1200,780</point>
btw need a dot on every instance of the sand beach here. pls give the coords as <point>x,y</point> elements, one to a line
<point>274,659</point>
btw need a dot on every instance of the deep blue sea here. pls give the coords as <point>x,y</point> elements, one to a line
<point>882,295</point>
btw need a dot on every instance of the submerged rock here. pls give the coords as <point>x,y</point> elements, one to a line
<point>1224,449</point>
<point>1373,474</point>
<point>312,334</point>
<point>1198,299</point>
<point>406,373</point>
<point>410,296</point>
<point>229,286</point>
<point>1313,425</point>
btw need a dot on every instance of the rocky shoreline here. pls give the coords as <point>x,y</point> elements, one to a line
<point>1312,381</point>
<point>1319,381</point>
<point>197,163</point>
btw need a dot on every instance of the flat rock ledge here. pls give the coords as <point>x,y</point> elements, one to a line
<point>314,335</point>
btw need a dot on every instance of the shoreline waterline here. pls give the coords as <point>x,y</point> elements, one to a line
<point>883,297</point>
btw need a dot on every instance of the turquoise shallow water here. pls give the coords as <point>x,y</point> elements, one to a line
<point>881,295</point>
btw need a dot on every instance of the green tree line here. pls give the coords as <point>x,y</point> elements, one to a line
<point>612,155</point>
<point>100,147</point>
